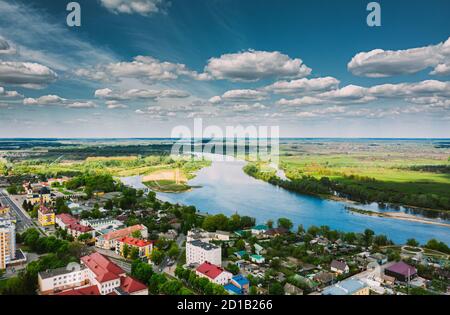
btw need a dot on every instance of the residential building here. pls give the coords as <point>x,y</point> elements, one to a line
<point>347,287</point>
<point>96,275</point>
<point>7,242</point>
<point>44,195</point>
<point>46,216</point>
<point>109,240</point>
<point>238,285</point>
<point>213,273</point>
<point>103,224</point>
<point>401,271</point>
<point>379,258</point>
<point>197,252</point>
<point>144,247</point>
<point>4,211</point>
<point>290,289</point>
<point>259,229</point>
<point>339,267</point>
<point>72,225</point>
<point>257,259</point>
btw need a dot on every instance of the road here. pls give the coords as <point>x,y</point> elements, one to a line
<point>24,221</point>
<point>163,267</point>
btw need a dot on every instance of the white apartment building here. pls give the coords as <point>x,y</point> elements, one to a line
<point>7,242</point>
<point>55,280</point>
<point>197,252</point>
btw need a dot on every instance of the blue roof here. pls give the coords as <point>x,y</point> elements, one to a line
<point>346,287</point>
<point>241,280</point>
<point>260,227</point>
<point>232,289</point>
<point>240,253</point>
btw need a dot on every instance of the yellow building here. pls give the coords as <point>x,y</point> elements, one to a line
<point>4,211</point>
<point>7,243</point>
<point>46,217</point>
<point>44,196</point>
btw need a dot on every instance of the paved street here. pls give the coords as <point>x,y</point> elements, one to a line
<point>24,221</point>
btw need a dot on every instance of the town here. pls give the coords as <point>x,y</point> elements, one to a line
<point>94,235</point>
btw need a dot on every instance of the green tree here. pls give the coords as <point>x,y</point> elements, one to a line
<point>285,223</point>
<point>125,250</point>
<point>412,242</point>
<point>276,288</point>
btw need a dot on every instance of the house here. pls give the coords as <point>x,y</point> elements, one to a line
<point>259,249</point>
<point>102,224</point>
<point>238,285</point>
<point>290,289</point>
<point>258,259</point>
<point>109,240</point>
<point>96,275</point>
<point>347,287</point>
<point>198,234</point>
<point>221,236</point>
<point>46,216</point>
<point>323,277</point>
<point>197,252</point>
<point>213,273</point>
<point>169,235</point>
<point>259,229</point>
<point>44,195</point>
<point>339,267</point>
<point>276,232</point>
<point>241,254</point>
<point>4,211</point>
<point>144,247</point>
<point>72,225</point>
<point>379,258</point>
<point>401,271</point>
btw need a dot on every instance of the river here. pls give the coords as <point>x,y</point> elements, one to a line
<point>225,188</point>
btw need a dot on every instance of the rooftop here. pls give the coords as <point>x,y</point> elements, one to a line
<point>203,245</point>
<point>102,267</point>
<point>123,232</point>
<point>134,241</point>
<point>210,270</point>
<point>402,268</point>
<point>346,287</point>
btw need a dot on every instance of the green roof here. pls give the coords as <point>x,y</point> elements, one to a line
<point>260,227</point>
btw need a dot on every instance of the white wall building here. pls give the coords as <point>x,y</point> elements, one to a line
<point>197,252</point>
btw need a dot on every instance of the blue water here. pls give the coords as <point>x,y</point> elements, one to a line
<point>225,188</point>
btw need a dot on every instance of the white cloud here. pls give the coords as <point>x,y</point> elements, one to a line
<point>44,100</point>
<point>26,74</point>
<point>5,48</point>
<point>416,89</point>
<point>383,63</point>
<point>142,7</point>
<point>78,104</point>
<point>215,100</point>
<point>254,65</point>
<point>244,95</point>
<point>139,94</point>
<point>144,68</point>
<point>115,105</point>
<point>304,85</point>
<point>302,101</point>
<point>56,100</point>
<point>9,94</point>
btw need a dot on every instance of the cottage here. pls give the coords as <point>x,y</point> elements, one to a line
<point>290,289</point>
<point>401,271</point>
<point>339,267</point>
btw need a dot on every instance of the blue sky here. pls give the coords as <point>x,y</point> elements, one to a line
<point>137,68</point>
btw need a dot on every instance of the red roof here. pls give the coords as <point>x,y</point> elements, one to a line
<point>210,270</point>
<point>131,285</point>
<point>102,267</point>
<point>134,241</point>
<point>92,290</point>
<point>73,224</point>
<point>403,269</point>
<point>123,232</point>
<point>66,218</point>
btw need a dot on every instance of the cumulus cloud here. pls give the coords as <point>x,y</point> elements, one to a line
<point>26,74</point>
<point>303,85</point>
<point>383,63</point>
<point>115,105</point>
<point>416,89</point>
<point>142,7</point>
<point>144,68</point>
<point>254,65</point>
<point>244,95</point>
<point>302,101</point>
<point>56,100</point>
<point>5,48</point>
<point>9,94</point>
<point>139,94</point>
<point>215,100</point>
